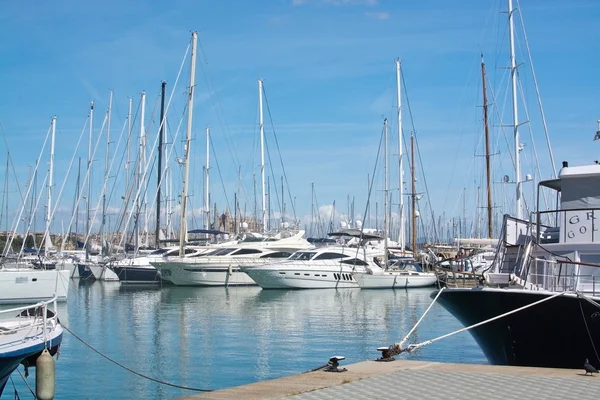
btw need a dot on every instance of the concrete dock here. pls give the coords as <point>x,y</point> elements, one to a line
<point>403,379</point>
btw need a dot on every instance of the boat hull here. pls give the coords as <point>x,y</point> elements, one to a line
<point>10,361</point>
<point>393,280</point>
<point>29,285</point>
<point>191,275</point>
<point>559,333</point>
<point>137,274</point>
<point>301,278</point>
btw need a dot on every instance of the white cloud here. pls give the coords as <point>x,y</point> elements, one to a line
<point>381,15</point>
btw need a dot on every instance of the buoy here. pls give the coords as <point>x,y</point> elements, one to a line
<point>44,376</point>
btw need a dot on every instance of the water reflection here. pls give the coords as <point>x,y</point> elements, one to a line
<point>221,337</point>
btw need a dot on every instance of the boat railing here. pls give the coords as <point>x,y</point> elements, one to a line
<point>560,275</point>
<point>39,309</point>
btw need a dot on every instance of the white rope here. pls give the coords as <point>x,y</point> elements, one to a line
<point>413,347</point>
<point>420,319</point>
<point>581,295</point>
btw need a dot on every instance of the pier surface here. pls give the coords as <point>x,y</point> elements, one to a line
<point>403,379</point>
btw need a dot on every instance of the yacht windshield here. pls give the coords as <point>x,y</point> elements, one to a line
<point>302,255</point>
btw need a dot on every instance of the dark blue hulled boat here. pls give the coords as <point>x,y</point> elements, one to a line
<point>24,336</point>
<point>549,268</point>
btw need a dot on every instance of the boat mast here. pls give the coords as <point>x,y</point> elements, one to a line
<point>385,193</point>
<point>89,185</point>
<point>106,161</point>
<point>128,142</point>
<point>207,182</point>
<point>515,112</point>
<point>413,194</point>
<point>262,153</point>
<point>142,167</point>
<point>401,238</point>
<point>47,242</point>
<point>160,175</point>
<point>487,150</point>
<point>188,141</point>
<point>77,189</point>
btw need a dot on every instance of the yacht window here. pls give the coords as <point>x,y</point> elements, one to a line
<point>354,261</point>
<point>302,255</point>
<point>189,251</point>
<point>242,252</point>
<point>220,252</point>
<point>276,254</point>
<point>329,256</point>
<point>160,251</point>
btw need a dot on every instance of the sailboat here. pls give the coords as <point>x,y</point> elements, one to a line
<point>21,283</point>
<point>26,335</point>
<point>402,272</point>
<point>540,303</point>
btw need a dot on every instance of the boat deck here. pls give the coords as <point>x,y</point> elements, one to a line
<point>403,379</point>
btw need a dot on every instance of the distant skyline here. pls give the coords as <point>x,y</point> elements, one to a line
<point>329,77</point>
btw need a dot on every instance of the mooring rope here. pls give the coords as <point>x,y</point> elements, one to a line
<point>412,347</point>
<point>131,370</point>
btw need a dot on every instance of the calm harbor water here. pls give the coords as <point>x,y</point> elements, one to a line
<point>215,338</point>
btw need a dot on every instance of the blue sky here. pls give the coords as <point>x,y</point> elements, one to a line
<point>329,73</point>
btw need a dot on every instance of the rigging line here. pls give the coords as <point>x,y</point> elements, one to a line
<point>537,91</point>
<point>214,98</point>
<point>279,152</point>
<point>412,121</point>
<point>68,231</point>
<point>156,139</point>
<point>216,161</point>
<point>56,204</point>
<point>381,137</point>
<point>587,328</point>
<point>8,244</point>
<point>11,161</point>
<point>131,370</point>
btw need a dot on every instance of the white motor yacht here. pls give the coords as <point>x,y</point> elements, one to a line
<point>221,266</point>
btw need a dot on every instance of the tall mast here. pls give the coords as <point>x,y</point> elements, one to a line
<point>142,167</point>
<point>385,193</point>
<point>89,185</point>
<point>188,141</point>
<point>160,175</point>
<point>487,151</point>
<point>106,161</point>
<point>262,153</point>
<point>282,202</point>
<point>515,112</point>
<point>50,184</point>
<point>401,239</point>
<point>78,188</point>
<point>413,194</point>
<point>128,142</point>
<point>207,181</point>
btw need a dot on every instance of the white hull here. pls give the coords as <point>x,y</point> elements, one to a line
<point>276,277</point>
<point>209,275</point>
<point>394,280</point>
<point>31,285</point>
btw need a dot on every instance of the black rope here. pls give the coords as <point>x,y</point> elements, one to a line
<point>588,330</point>
<point>27,384</point>
<point>131,370</point>
<point>15,389</point>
